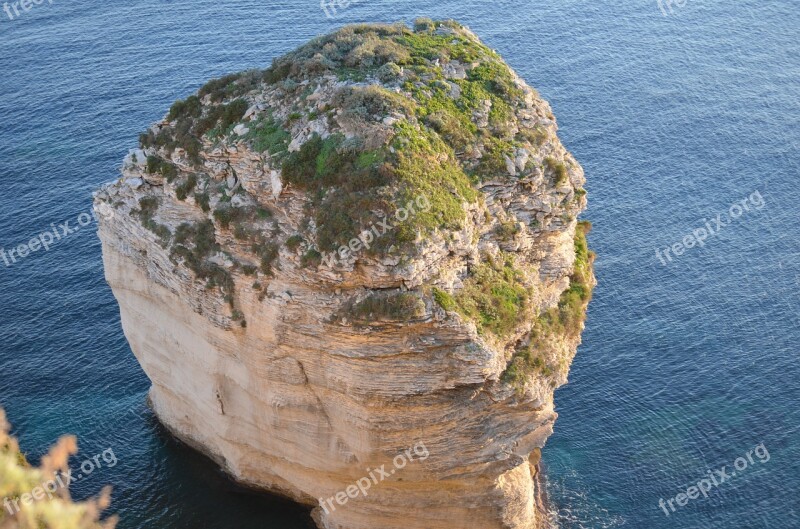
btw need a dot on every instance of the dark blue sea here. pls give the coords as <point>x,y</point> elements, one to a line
<point>676,112</point>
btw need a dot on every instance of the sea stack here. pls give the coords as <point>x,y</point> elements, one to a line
<point>362,265</point>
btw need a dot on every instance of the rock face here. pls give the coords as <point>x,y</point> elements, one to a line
<point>369,249</point>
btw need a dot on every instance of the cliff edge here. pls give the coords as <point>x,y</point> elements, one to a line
<point>362,265</point>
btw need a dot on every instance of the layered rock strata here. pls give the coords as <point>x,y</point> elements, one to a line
<point>370,247</point>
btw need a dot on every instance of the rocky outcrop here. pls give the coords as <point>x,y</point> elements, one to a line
<point>369,249</point>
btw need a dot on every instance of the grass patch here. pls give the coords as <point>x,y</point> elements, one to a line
<point>557,169</point>
<point>494,297</point>
<point>444,299</point>
<point>267,135</point>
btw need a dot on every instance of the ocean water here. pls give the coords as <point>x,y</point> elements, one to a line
<point>675,112</point>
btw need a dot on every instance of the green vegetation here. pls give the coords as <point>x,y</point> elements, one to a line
<point>293,242</point>
<point>147,210</point>
<point>220,119</point>
<point>226,215</point>
<point>266,135</point>
<point>312,258</point>
<point>186,187</point>
<point>231,86</point>
<point>203,200</point>
<point>507,230</point>
<point>494,297</point>
<point>445,300</point>
<point>189,126</point>
<point>267,252</point>
<point>194,244</point>
<point>535,137</point>
<point>156,164</point>
<point>428,154</point>
<point>369,102</point>
<point>496,78</point>
<point>182,109</point>
<point>558,169</point>
<point>19,480</point>
<point>399,306</point>
<point>353,182</point>
<point>424,166</point>
<point>562,321</point>
<point>343,188</point>
<point>493,162</point>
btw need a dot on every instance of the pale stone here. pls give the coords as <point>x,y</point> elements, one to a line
<point>301,401</point>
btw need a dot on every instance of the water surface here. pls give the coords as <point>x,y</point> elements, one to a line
<point>684,367</point>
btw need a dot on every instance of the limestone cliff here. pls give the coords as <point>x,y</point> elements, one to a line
<point>370,246</point>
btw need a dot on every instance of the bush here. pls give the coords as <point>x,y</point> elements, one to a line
<point>403,306</point>
<point>194,243</point>
<point>293,242</point>
<point>494,297</point>
<point>389,73</point>
<point>267,135</point>
<point>507,230</point>
<point>456,132</point>
<point>186,187</point>
<point>342,184</point>
<point>565,320</point>
<point>156,164</point>
<point>203,200</point>
<point>558,169</point>
<point>18,479</point>
<point>493,163</point>
<point>424,24</point>
<point>219,119</point>
<point>536,136</point>
<point>226,215</point>
<point>148,206</point>
<point>230,86</point>
<point>268,255</point>
<point>277,72</point>
<point>445,300</point>
<point>312,258</point>
<point>232,113</point>
<point>182,109</point>
<point>371,102</point>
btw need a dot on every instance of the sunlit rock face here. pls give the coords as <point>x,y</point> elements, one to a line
<point>364,257</point>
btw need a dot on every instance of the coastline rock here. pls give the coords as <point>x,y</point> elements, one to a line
<point>331,263</point>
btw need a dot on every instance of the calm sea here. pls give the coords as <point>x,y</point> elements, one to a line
<point>686,366</point>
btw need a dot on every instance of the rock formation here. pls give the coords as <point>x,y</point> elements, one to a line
<point>369,249</point>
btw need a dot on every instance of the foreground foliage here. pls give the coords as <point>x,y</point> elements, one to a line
<point>18,479</point>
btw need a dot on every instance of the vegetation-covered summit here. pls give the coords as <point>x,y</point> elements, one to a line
<point>360,123</point>
<point>450,100</point>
